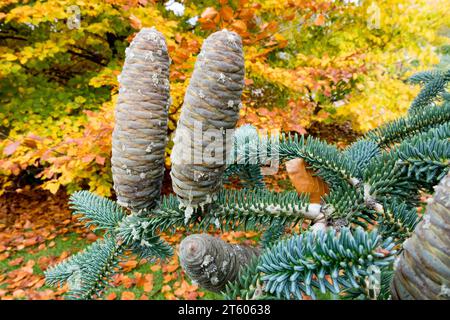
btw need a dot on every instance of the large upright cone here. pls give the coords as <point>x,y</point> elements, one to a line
<point>211,104</point>
<point>423,271</point>
<point>140,132</point>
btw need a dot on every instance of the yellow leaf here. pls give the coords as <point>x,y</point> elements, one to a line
<point>9,57</point>
<point>52,186</point>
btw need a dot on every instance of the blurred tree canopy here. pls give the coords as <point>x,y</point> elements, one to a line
<point>306,60</point>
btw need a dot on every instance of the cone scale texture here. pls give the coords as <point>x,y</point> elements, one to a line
<point>140,133</point>
<point>211,105</point>
<point>212,262</point>
<point>423,269</point>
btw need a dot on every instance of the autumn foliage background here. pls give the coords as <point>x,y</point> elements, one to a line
<point>309,64</point>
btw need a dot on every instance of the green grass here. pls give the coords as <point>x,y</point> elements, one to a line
<point>71,243</point>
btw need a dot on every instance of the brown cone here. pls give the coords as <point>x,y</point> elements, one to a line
<point>140,132</point>
<point>211,103</point>
<point>212,262</point>
<point>423,271</point>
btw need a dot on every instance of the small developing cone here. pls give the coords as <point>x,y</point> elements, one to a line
<point>211,262</point>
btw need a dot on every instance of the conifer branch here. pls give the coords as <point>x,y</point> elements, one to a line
<point>422,121</point>
<point>293,267</point>
<point>96,211</point>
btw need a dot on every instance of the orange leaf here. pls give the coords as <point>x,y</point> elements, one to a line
<point>320,20</point>
<point>111,296</point>
<point>172,268</point>
<point>166,288</point>
<point>191,295</point>
<point>167,278</point>
<point>127,282</point>
<point>100,160</point>
<point>4,256</point>
<point>19,294</point>
<point>209,13</point>
<point>169,296</point>
<point>88,158</point>
<point>15,262</point>
<point>296,127</point>
<point>148,284</point>
<point>128,295</point>
<point>135,22</point>
<point>155,268</point>
<point>208,25</point>
<point>304,181</point>
<point>226,13</point>
<point>129,265</point>
<point>239,26</point>
<point>30,143</point>
<point>180,292</point>
<point>140,280</point>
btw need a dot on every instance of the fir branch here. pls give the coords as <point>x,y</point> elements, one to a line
<point>395,131</point>
<point>170,215</point>
<point>133,230</point>
<point>440,132</point>
<point>137,232</point>
<point>433,87</point>
<point>325,159</point>
<point>248,284</point>
<point>417,163</point>
<point>397,221</point>
<point>89,271</point>
<point>360,153</point>
<point>424,77</point>
<point>95,210</point>
<point>427,161</point>
<point>250,175</point>
<point>384,179</point>
<point>294,266</point>
<point>379,291</point>
<point>250,209</point>
<point>272,234</point>
<point>245,208</point>
<point>346,204</point>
